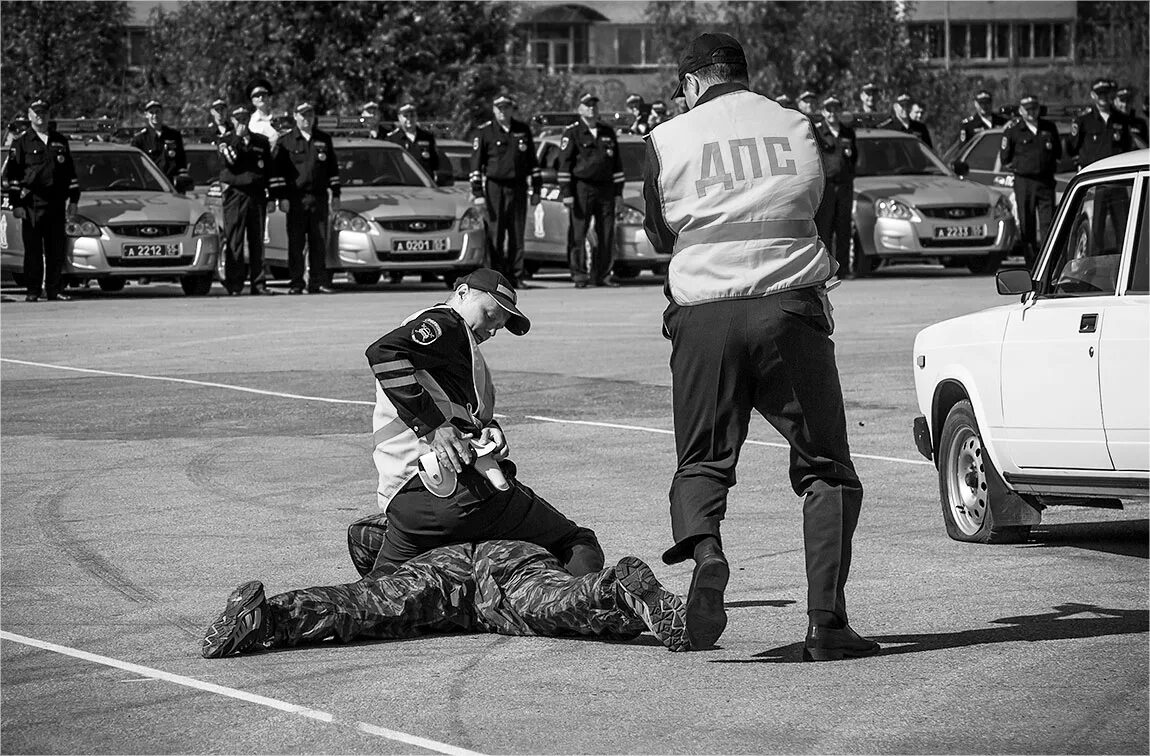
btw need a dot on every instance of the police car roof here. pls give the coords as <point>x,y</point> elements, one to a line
<point>883,133</point>
<point>97,146</point>
<point>1136,159</point>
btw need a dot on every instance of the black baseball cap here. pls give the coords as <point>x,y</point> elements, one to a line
<point>708,49</point>
<point>496,284</point>
<point>983,96</point>
<point>588,98</point>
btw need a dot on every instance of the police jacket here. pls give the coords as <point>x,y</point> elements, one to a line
<point>639,125</point>
<point>423,148</point>
<point>1030,154</point>
<point>429,371</point>
<point>974,123</point>
<point>912,127</point>
<point>731,189</point>
<point>504,155</point>
<point>840,154</point>
<point>1138,127</point>
<point>304,166</point>
<point>37,173</point>
<point>1092,138</point>
<point>166,149</point>
<point>247,163</point>
<point>590,158</point>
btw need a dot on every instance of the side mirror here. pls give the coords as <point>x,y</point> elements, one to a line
<point>1013,281</point>
<point>960,168</point>
<point>184,183</point>
<point>550,176</point>
<point>445,179</point>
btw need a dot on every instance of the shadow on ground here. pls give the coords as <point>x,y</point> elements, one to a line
<point>1123,537</point>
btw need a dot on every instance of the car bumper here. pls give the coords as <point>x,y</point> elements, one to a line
<point>909,239</point>
<point>922,438</point>
<point>634,248</point>
<point>102,258</point>
<point>361,251</point>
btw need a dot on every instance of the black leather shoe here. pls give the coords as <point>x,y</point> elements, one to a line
<point>834,643</point>
<point>32,298</point>
<point>706,616</point>
<point>59,298</point>
<point>610,283</point>
<point>295,290</point>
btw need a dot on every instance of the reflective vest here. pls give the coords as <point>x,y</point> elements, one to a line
<point>739,182</point>
<point>397,448</point>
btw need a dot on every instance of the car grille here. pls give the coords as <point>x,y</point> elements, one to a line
<point>955,212</point>
<point>151,262</point>
<point>149,230</point>
<point>956,243</point>
<point>417,256</point>
<point>416,225</point>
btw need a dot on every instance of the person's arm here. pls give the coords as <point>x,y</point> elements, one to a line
<point>13,178</point>
<point>278,174</point>
<point>434,156</point>
<point>1057,141</point>
<point>478,160</point>
<point>617,170</point>
<point>334,184</point>
<point>655,223</point>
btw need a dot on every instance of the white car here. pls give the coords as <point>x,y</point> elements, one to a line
<point>1047,400</point>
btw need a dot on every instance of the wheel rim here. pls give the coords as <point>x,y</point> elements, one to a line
<point>966,481</point>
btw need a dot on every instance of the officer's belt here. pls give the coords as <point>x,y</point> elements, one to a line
<point>747,231</point>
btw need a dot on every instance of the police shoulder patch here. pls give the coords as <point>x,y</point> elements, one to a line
<point>1005,142</point>
<point>426,332</point>
<point>475,144</point>
<point>566,141</point>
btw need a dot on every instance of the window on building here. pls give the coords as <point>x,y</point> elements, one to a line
<point>1023,48</point>
<point>1043,41</point>
<point>138,52</point>
<point>931,39</point>
<point>1002,41</point>
<point>1062,40</point>
<point>979,41</point>
<point>631,46</point>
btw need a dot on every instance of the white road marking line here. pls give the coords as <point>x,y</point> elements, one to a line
<point>272,703</point>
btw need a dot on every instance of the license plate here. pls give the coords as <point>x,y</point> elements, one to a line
<point>419,245</point>
<point>152,250</point>
<point>959,232</point>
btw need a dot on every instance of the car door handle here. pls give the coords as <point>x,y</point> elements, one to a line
<point>1088,323</point>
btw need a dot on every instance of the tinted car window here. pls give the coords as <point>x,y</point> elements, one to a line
<point>371,166</point>
<point>983,156</point>
<point>896,157</point>
<point>100,171</point>
<point>1088,251</point>
<point>458,162</point>
<point>204,166</point>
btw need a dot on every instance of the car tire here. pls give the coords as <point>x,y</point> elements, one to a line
<point>198,285</point>
<point>111,284</point>
<point>967,481</point>
<point>367,277</point>
<point>625,271</point>
<point>863,263</point>
<point>984,266</point>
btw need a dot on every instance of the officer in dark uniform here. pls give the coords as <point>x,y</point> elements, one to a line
<point>867,115</point>
<point>640,114</point>
<point>369,117</point>
<point>221,124</point>
<point>163,144</point>
<point>982,118</point>
<point>1124,104</point>
<point>658,113</point>
<point>419,142</point>
<point>808,104</point>
<point>901,120</point>
<point>306,169</point>
<point>502,162</point>
<point>1101,131</point>
<point>1030,149</point>
<point>785,100</point>
<point>247,165</point>
<point>42,186</point>
<point>840,155</point>
<point>591,186</point>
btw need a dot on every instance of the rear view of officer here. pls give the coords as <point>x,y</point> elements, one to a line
<point>591,186</point>
<point>44,191</point>
<point>419,142</point>
<point>982,118</point>
<point>840,155</point>
<point>163,144</point>
<point>1031,148</point>
<point>1101,131</point>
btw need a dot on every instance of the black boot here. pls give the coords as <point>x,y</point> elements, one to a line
<point>706,615</point>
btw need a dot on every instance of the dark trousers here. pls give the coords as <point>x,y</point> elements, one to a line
<point>833,221</point>
<point>244,216</point>
<point>592,201</point>
<point>772,354</point>
<point>307,224</point>
<point>507,203</point>
<point>45,247</point>
<point>1035,200</point>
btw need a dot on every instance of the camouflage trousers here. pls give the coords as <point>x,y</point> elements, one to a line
<point>507,587</point>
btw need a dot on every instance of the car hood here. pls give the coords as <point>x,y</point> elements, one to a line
<point>403,202</point>
<point>924,190</point>
<point>103,208</point>
<point>633,194</point>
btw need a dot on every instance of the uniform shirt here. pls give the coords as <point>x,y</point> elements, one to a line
<point>166,149</point>
<point>262,124</point>
<point>590,157</point>
<point>41,172</point>
<point>1031,154</point>
<point>219,131</point>
<point>916,128</point>
<point>247,162</point>
<point>1093,138</point>
<point>422,148</point>
<point>840,153</point>
<point>506,155</point>
<point>975,123</point>
<point>305,166</point>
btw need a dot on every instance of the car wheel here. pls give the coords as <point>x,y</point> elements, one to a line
<point>197,285</point>
<point>966,482</point>
<point>367,277</point>
<point>111,284</point>
<point>864,264</point>
<point>625,271</point>
<point>984,266</point>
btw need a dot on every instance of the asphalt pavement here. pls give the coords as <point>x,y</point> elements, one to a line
<point>156,450</point>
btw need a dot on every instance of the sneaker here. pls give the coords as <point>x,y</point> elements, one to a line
<point>661,610</point>
<point>237,628</point>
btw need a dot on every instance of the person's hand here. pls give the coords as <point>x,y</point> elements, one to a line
<point>335,204</point>
<point>534,199</point>
<point>71,209</point>
<point>451,448</point>
<point>285,205</point>
<point>19,212</point>
<point>568,202</point>
<point>478,201</point>
<point>491,434</point>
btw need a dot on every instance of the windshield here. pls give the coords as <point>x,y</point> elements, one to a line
<point>897,156</point>
<point>204,166</point>
<point>456,158</point>
<point>379,166</point>
<point>116,170</point>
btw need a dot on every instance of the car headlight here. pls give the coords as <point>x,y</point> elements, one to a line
<point>80,226</point>
<point>472,220</point>
<point>205,226</point>
<point>631,216</point>
<point>892,208</point>
<point>1002,209</point>
<point>346,220</point>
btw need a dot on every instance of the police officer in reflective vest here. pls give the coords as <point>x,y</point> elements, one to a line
<point>419,142</point>
<point>901,120</point>
<point>840,155</point>
<point>306,170</point>
<point>163,144</point>
<point>1102,130</point>
<point>42,186</point>
<point>1030,149</point>
<point>591,187</point>
<point>982,118</point>
<point>731,189</point>
<point>502,162</point>
<point>247,165</point>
